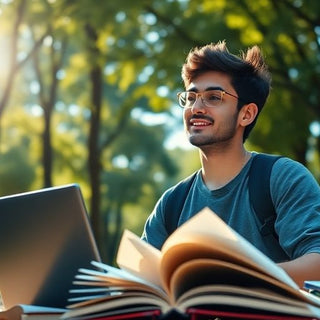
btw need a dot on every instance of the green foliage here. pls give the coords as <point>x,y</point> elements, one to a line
<point>140,47</point>
<point>17,170</point>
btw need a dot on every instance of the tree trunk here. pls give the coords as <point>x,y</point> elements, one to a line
<point>47,150</point>
<point>93,142</point>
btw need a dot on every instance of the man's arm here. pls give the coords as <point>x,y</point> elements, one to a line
<point>306,267</point>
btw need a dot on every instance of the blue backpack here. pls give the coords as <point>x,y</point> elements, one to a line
<point>259,195</point>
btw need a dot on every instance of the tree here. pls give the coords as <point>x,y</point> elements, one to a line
<point>48,86</point>
<point>14,64</point>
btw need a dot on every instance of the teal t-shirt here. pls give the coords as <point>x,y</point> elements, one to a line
<point>296,198</point>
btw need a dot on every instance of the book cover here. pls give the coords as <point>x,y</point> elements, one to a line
<point>31,312</point>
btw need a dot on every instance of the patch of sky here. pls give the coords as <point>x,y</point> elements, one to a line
<point>120,161</point>
<point>63,127</point>
<point>120,16</point>
<point>60,106</point>
<point>47,41</point>
<point>34,87</point>
<point>293,73</point>
<point>315,128</point>
<point>137,162</point>
<point>149,118</point>
<point>152,36</point>
<point>36,110</point>
<point>140,44</point>
<point>159,176</point>
<point>317,31</point>
<point>110,41</point>
<point>21,56</point>
<point>150,19</point>
<point>162,91</point>
<point>61,74</point>
<point>57,45</point>
<point>145,74</point>
<point>110,68</point>
<point>73,110</point>
<point>86,113</point>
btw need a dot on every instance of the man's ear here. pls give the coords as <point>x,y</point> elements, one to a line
<point>247,114</point>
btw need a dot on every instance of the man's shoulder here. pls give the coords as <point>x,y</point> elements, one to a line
<point>278,161</point>
<point>286,164</point>
<point>287,171</point>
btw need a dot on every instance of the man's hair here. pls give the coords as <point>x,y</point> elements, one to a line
<point>249,73</point>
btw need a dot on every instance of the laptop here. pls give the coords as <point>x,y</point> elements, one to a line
<point>45,237</point>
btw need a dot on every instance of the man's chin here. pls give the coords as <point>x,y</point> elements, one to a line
<point>198,141</point>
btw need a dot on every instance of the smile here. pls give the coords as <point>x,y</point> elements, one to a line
<point>199,123</point>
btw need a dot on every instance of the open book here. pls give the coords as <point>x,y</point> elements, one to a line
<point>203,265</point>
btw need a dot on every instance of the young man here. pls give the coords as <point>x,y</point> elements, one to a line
<point>223,98</point>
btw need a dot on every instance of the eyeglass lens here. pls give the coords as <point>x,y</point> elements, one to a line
<point>210,98</point>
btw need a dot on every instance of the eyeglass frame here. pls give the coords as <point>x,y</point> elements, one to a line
<point>199,94</point>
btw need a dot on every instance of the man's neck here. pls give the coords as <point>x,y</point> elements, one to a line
<point>220,167</point>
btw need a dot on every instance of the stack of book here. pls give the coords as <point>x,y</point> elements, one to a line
<point>205,270</point>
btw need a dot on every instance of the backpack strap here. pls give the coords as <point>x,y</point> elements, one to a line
<point>259,192</point>
<point>259,195</point>
<point>175,203</point>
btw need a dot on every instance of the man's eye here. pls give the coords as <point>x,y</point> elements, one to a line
<point>213,97</point>
<point>191,97</point>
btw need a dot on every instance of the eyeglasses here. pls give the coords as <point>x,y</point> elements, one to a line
<point>210,98</point>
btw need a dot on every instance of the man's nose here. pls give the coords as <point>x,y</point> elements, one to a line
<point>198,106</point>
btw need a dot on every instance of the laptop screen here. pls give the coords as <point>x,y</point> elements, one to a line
<point>45,237</point>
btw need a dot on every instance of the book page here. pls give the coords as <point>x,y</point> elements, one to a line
<point>204,272</point>
<point>139,258</point>
<point>101,284</point>
<point>232,290</point>
<point>208,230</point>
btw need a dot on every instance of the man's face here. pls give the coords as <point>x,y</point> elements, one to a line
<point>213,125</point>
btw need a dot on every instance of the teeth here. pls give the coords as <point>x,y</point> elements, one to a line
<point>199,123</point>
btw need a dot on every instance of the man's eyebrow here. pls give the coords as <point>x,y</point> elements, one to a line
<point>194,89</point>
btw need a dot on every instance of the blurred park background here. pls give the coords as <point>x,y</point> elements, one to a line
<point>88,95</point>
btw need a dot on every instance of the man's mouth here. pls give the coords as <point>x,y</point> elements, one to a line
<point>200,122</point>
